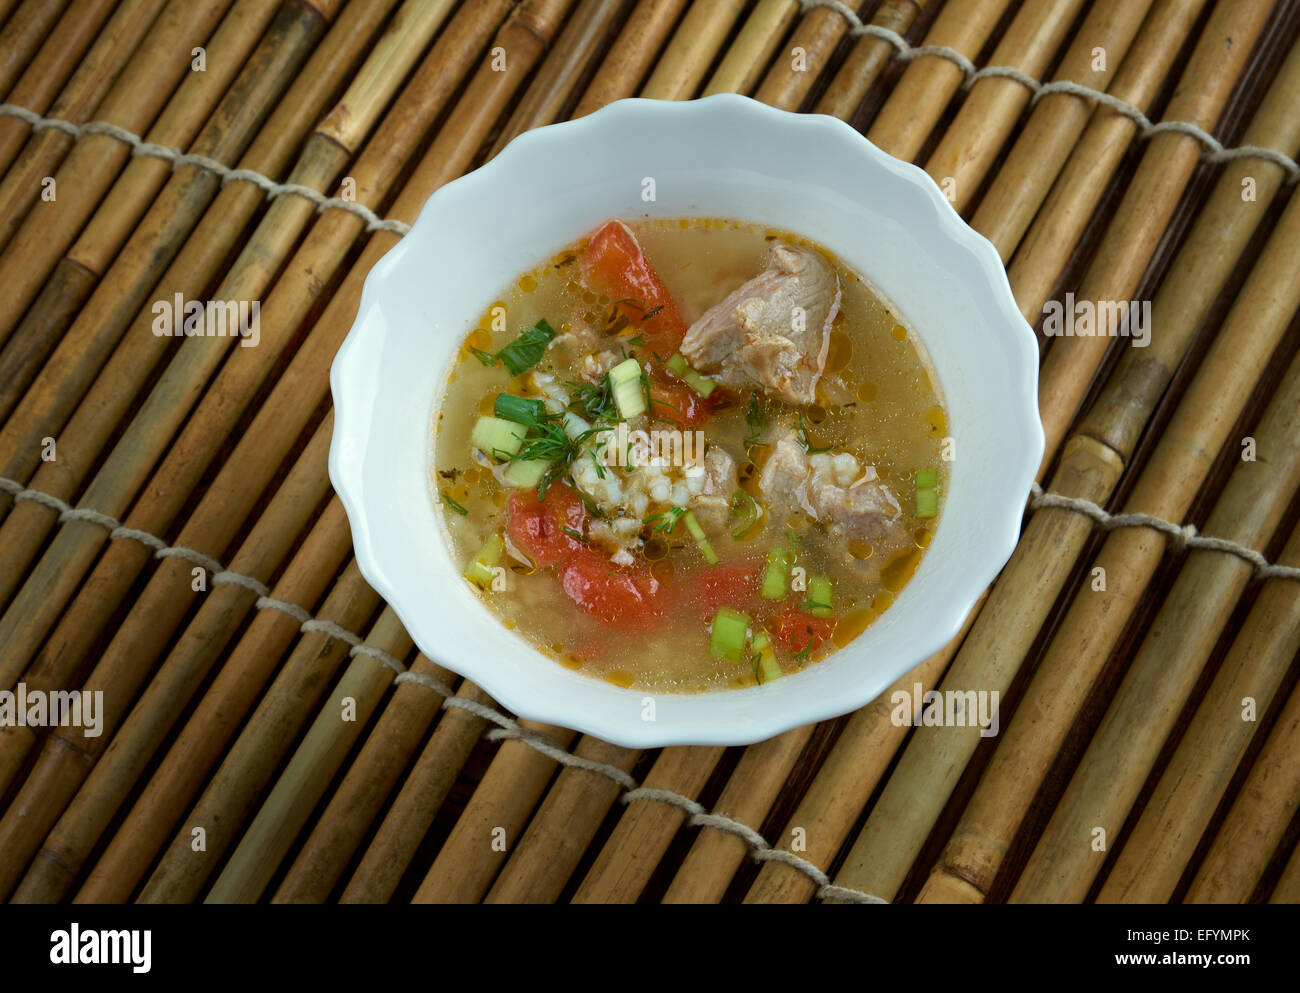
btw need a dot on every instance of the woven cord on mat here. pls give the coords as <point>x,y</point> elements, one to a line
<point>1183,536</point>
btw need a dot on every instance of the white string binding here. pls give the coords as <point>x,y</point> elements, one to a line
<point>178,159</point>
<point>905,52</point>
<point>509,729</point>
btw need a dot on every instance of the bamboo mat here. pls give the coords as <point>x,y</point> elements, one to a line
<point>168,534</point>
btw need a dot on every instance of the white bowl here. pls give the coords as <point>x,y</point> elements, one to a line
<point>724,156</point>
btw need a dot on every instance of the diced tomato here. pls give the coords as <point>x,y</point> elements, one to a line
<point>672,400</point>
<point>536,527</point>
<point>794,630</point>
<point>630,597</point>
<point>615,264</point>
<point>735,584</point>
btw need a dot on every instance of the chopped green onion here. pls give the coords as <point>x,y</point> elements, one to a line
<point>927,503</point>
<point>819,596</point>
<point>497,436</point>
<point>526,351</point>
<point>927,479</point>
<point>744,513</point>
<point>700,383</point>
<point>526,472</point>
<point>727,639</point>
<point>697,532</point>
<point>521,410</point>
<point>625,378</point>
<point>766,667</point>
<point>481,568</point>
<point>774,577</point>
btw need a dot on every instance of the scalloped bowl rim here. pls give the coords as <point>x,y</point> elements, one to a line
<point>376,430</point>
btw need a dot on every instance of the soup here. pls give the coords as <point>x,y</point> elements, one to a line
<point>687,455</point>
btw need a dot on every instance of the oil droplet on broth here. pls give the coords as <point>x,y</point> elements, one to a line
<point>480,339</point>
<point>899,570</point>
<point>935,422</point>
<point>922,537</point>
<point>899,332</point>
<point>620,677</point>
<point>528,283</point>
<point>861,550</point>
<point>851,625</point>
<point>867,392</point>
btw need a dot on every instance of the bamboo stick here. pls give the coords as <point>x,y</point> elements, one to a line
<point>313,765</point>
<point>994,104</point>
<point>632,55</point>
<point>561,71</point>
<point>844,783</point>
<point>338,831</point>
<point>222,709</point>
<point>630,854</point>
<point>1287,889</point>
<point>223,714</point>
<point>170,219</point>
<point>54,63</point>
<point>868,59</point>
<point>408,820</point>
<point>1162,675</point>
<point>1077,191</point>
<point>1058,119</point>
<point>755,44</point>
<point>562,828</point>
<point>214,522</point>
<point>523,36</point>
<point>1090,468</point>
<point>494,816</point>
<point>1148,204</point>
<point>1257,819</point>
<point>89,169</point>
<point>22,35</point>
<point>681,67</point>
<point>748,797</point>
<point>1129,557</point>
<point>1159,847</point>
<point>929,82</point>
<point>126,754</point>
<point>67,376</point>
<point>144,441</point>
<point>809,51</point>
<point>96,75</point>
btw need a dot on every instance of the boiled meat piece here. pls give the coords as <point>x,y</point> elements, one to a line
<point>774,330</point>
<point>832,488</point>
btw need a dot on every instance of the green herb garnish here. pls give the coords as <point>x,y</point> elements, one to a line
<point>457,507</point>
<point>667,520</point>
<point>526,351</point>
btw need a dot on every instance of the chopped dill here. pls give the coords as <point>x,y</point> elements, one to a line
<point>487,358</point>
<point>575,535</point>
<point>667,520</point>
<point>806,441</point>
<point>457,507</point>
